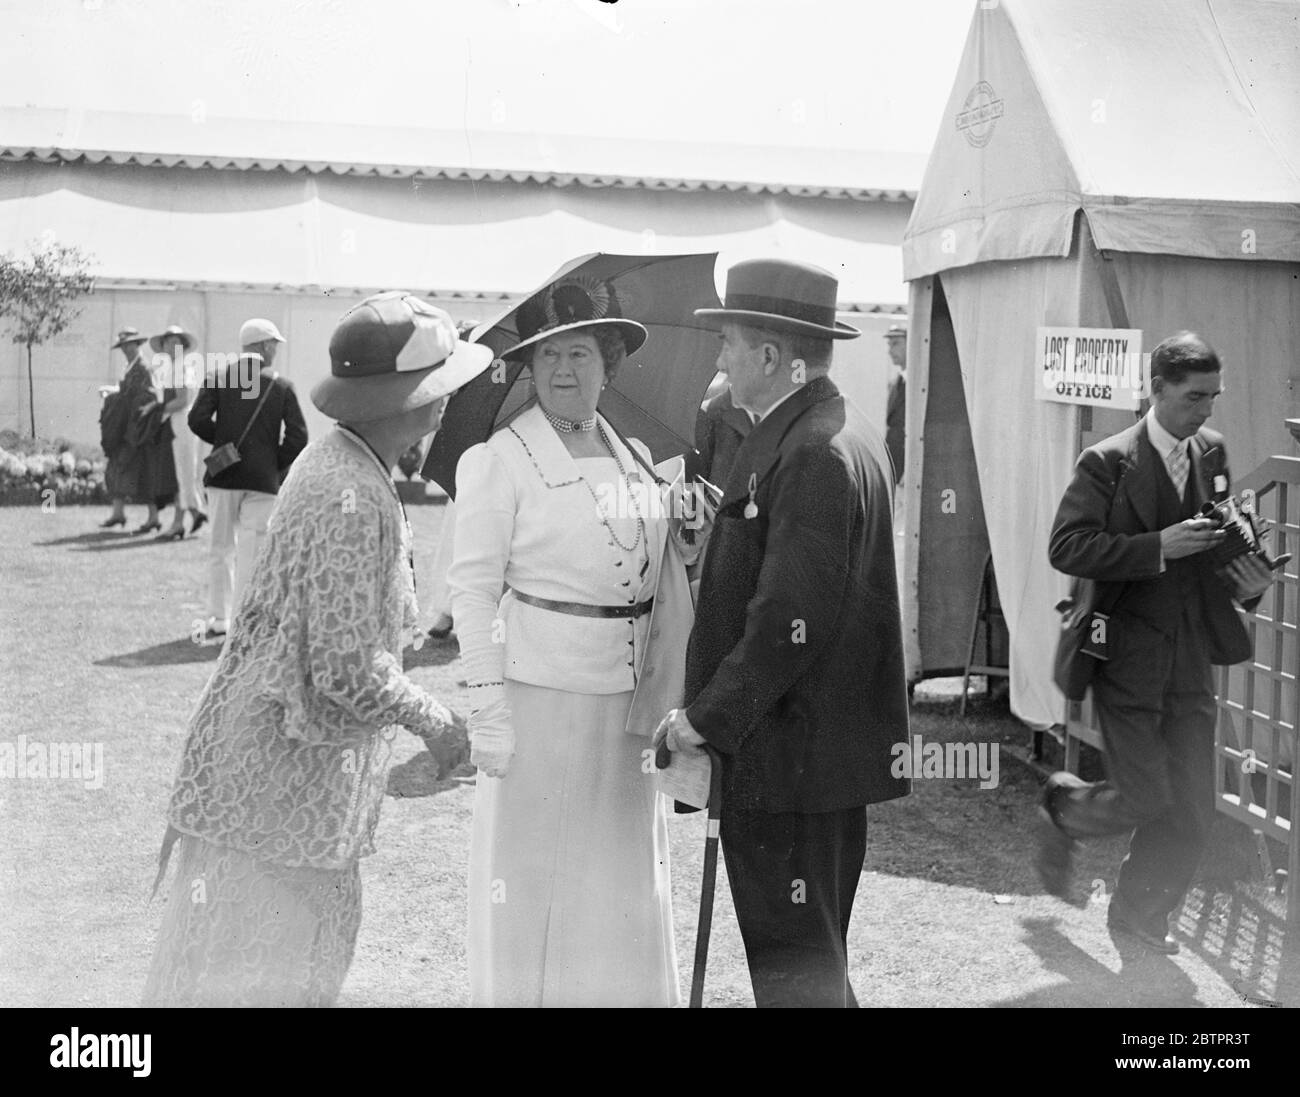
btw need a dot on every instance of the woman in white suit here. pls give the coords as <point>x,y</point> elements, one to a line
<point>569,901</point>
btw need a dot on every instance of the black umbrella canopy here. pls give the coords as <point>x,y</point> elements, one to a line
<point>656,394</point>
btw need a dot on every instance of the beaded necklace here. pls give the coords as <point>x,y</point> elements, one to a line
<point>631,495</point>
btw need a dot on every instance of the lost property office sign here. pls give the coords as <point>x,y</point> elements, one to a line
<point>1097,367</point>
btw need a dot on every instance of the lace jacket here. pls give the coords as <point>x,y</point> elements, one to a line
<point>289,748</point>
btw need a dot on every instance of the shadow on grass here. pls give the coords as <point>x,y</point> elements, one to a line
<point>1144,978</point>
<point>95,538</point>
<point>117,543</point>
<point>172,653</point>
<point>1235,932</point>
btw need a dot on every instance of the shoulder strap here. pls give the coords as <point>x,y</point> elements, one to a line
<point>266,391</point>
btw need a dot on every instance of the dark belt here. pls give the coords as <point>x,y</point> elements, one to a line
<point>581,609</point>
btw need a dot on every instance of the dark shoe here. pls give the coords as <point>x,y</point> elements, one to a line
<point>442,633</point>
<point>148,527</point>
<point>199,520</point>
<point>213,633</point>
<point>1054,859</point>
<point>1120,920</point>
<point>112,522</point>
<point>171,535</point>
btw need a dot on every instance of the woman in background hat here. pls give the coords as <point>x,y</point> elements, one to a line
<point>284,772</point>
<point>129,475</point>
<point>569,899</point>
<point>178,395</point>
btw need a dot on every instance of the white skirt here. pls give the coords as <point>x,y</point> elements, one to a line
<point>569,899</point>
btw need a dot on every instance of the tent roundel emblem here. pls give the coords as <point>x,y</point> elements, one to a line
<point>979,114</point>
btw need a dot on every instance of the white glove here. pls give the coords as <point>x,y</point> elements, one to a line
<point>492,739</point>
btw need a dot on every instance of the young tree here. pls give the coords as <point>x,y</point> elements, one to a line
<point>38,297</point>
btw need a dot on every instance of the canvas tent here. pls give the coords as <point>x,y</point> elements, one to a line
<point>1100,164</point>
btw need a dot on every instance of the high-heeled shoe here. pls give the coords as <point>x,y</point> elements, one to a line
<point>171,535</point>
<point>148,527</point>
<point>113,522</point>
<point>199,520</point>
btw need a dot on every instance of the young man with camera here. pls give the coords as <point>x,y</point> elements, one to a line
<point>1130,521</point>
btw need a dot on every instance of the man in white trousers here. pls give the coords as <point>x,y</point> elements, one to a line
<point>253,409</point>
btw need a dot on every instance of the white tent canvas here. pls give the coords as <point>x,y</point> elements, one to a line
<point>1158,143</point>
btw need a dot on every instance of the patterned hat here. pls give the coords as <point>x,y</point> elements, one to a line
<point>569,304</point>
<point>391,353</point>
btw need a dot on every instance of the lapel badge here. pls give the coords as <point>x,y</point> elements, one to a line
<point>751,508</point>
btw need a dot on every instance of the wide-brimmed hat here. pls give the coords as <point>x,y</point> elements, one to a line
<point>187,340</point>
<point>129,335</point>
<point>391,353</point>
<point>569,304</point>
<point>784,296</point>
<point>896,331</point>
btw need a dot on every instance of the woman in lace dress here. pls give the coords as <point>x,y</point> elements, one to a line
<point>569,901</point>
<point>283,774</point>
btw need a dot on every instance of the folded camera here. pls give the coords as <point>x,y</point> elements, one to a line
<point>1245,533</point>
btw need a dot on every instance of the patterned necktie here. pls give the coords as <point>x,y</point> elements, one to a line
<point>1177,465</point>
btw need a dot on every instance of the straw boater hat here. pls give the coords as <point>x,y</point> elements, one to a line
<point>187,340</point>
<point>570,304</point>
<point>783,296</point>
<point>127,336</point>
<point>392,353</point>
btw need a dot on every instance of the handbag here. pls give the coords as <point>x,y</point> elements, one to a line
<point>227,455</point>
<point>1086,626</point>
<point>1072,668</point>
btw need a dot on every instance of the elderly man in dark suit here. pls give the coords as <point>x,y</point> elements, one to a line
<point>1127,521</point>
<point>794,670</point>
<point>253,408</point>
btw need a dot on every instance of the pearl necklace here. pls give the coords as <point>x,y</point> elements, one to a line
<point>631,498</point>
<point>566,426</point>
<point>631,495</point>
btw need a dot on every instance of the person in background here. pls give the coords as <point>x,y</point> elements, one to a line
<point>127,420</point>
<point>172,346</point>
<point>896,404</point>
<point>284,772</point>
<point>720,428</point>
<point>240,497</point>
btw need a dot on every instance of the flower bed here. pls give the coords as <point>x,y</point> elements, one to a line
<point>38,471</point>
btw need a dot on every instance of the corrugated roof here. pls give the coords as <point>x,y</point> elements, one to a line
<point>457,174</point>
<point>488,297</point>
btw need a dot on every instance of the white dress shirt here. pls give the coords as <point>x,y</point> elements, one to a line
<point>1166,444</point>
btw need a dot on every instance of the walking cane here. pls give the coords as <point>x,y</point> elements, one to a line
<point>663,759</point>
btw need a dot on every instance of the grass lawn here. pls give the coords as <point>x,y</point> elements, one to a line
<point>95,647</point>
